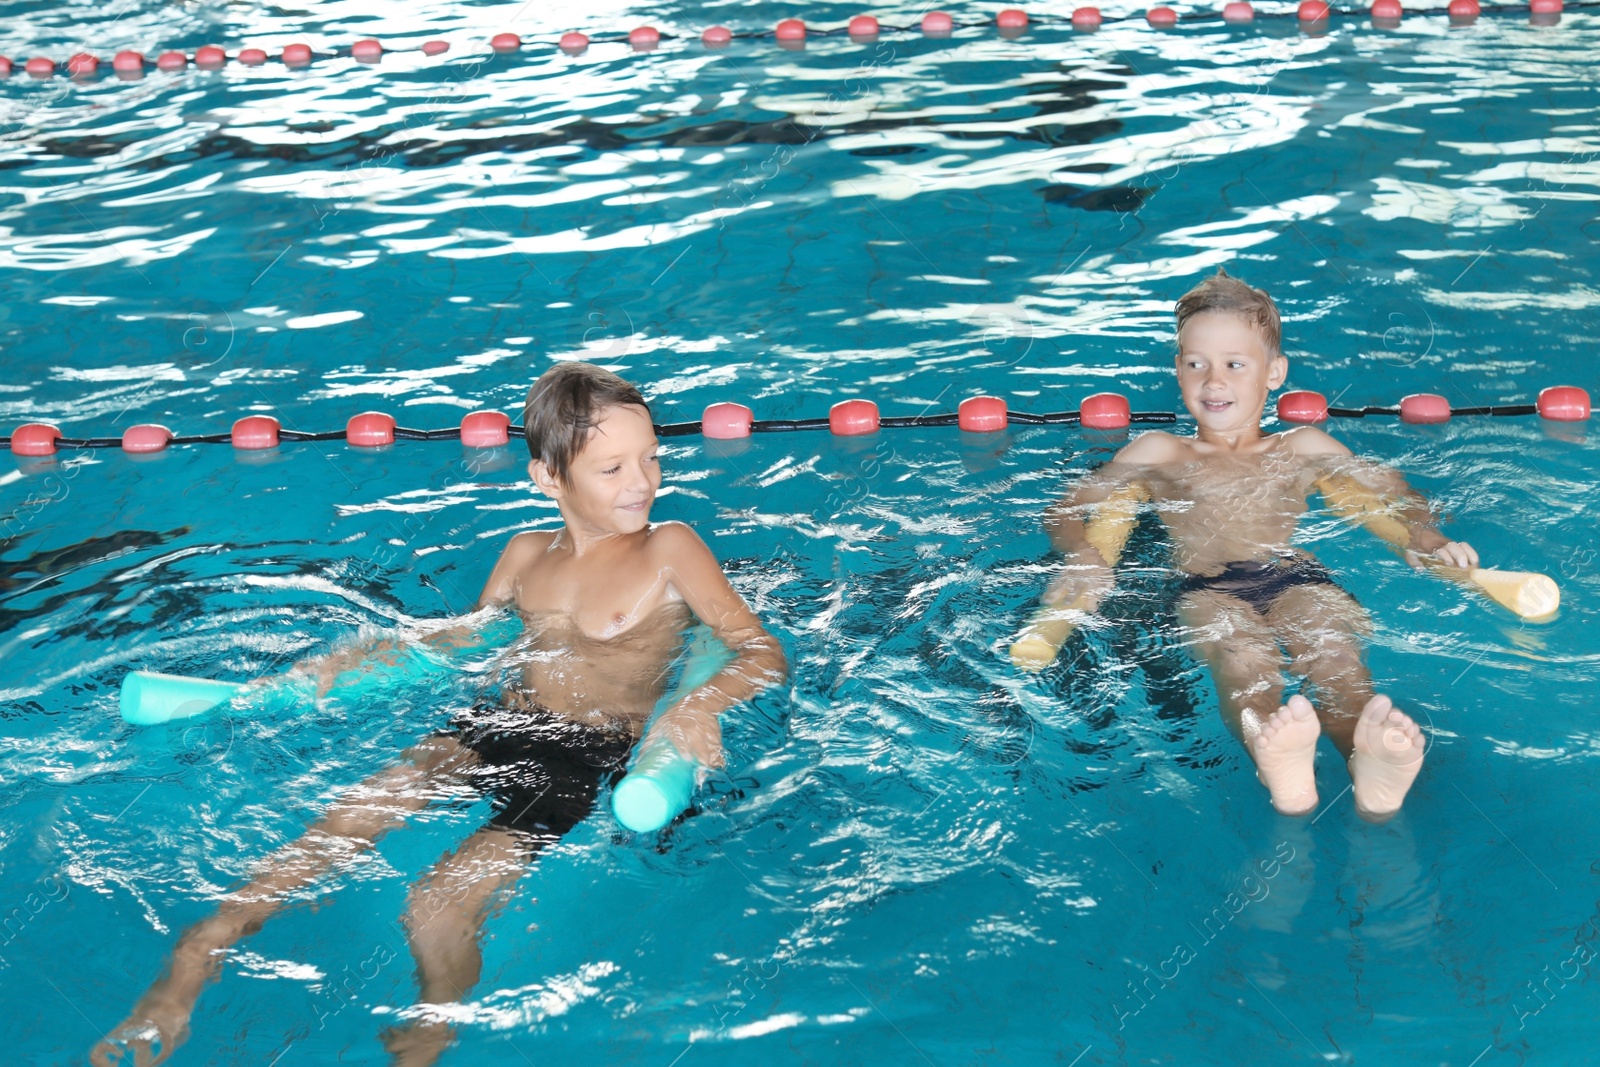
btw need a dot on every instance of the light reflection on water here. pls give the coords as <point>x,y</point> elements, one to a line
<point>913,844</point>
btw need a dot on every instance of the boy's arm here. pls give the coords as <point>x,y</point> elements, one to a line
<point>1379,498</point>
<point>499,592</point>
<point>691,723</point>
<point>1089,526</point>
<point>1092,521</point>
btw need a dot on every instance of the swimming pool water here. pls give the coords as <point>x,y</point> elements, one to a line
<point>917,855</point>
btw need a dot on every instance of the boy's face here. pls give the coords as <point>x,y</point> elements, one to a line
<point>612,481</point>
<point>1225,372</point>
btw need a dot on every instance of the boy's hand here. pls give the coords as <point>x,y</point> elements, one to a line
<point>1078,584</point>
<point>695,734</point>
<point>1450,553</point>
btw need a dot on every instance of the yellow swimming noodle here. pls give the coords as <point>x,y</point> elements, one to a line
<point>1114,518</point>
<point>1108,530</point>
<point>1037,646</point>
<point>1527,593</point>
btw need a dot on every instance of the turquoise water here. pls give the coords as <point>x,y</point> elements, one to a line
<point>917,855</point>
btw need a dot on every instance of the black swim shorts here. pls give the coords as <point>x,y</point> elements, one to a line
<point>541,772</point>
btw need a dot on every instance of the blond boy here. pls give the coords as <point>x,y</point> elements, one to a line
<point>1231,495</point>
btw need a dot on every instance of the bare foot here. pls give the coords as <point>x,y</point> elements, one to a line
<point>147,1037</point>
<point>1283,752</point>
<point>418,1042</point>
<point>1388,755</point>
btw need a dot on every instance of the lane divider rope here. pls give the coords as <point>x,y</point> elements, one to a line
<point>728,421</point>
<point>1312,14</point>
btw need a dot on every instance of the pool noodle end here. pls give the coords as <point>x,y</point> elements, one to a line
<point>149,699</point>
<point>1039,643</point>
<point>658,787</point>
<point>1529,594</point>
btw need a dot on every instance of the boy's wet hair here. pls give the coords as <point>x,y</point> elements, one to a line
<point>564,405</point>
<point>1223,292</point>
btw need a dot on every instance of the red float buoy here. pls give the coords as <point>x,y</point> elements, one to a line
<point>1105,411</point>
<point>82,65</point>
<point>1564,403</point>
<point>644,37</point>
<point>1303,405</point>
<point>505,42</point>
<point>40,67</point>
<point>863,26</point>
<point>1313,11</point>
<point>370,429</point>
<point>1161,16</point>
<point>127,62</point>
<point>716,36</point>
<point>1424,408</point>
<point>210,57</point>
<point>937,22</point>
<point>1012,18</point>
<point>574,42</point>
<point>172,61</point>
<point>34,439</point>
<point>1086,18</point>
<point>1545,7</point>
<point>853,418</point>
<point>726,422</point>
<point>790,30</point>
<point>981,414</point>
<point>296,55</point>
<point>6,67</point>
<point>1387,9</point>
<point>146,437</point>
<point>1463,10</point>
<point>435,48</point>
<point>252,57</point>
<point>485,429</point>
<point>1238,11</point>
<point>367,50</point>
<point>255,432</point>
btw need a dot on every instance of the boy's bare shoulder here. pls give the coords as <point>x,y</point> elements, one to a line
<point>1153,446</point>
<point>528,545</point>
<point>674,540</point>
<point>1312,441</point>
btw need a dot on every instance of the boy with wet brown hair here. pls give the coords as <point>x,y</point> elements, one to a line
<point>1230,497</point>
<point>605,601</point>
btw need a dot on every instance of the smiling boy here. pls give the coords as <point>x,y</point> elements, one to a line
<point>1231,497</point>
<point>605,601</point>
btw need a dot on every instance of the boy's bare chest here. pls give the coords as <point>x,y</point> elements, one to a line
<point>1233,488</point>
<point>601,598</point>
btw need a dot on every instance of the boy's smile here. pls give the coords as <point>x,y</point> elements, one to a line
<point>1225,372</point>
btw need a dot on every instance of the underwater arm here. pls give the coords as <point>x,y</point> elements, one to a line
<point>478,629</point>
<point>758,659</point>
<point>1379,498</point>
<point>1090,525</point>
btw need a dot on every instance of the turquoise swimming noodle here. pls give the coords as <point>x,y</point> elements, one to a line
<point>661,780</point>
<point>149,699</point>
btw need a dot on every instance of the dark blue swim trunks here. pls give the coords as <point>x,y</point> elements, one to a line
<point>1260,583</point>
